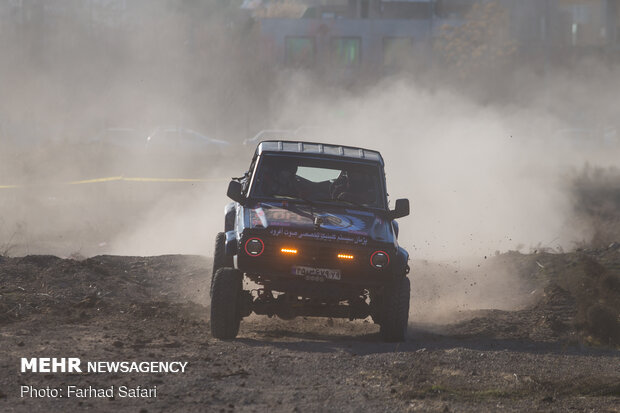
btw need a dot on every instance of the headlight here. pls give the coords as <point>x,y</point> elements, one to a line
<point>379,259</point>
<point>254,247</point>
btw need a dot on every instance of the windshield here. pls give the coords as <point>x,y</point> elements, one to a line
<point>318,180</point>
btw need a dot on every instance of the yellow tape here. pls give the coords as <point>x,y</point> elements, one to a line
<point>122,178</point>
<point>171,180</point>
<point>138,179</point>
<point>96,180</point>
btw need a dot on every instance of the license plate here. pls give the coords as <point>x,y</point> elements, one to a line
<point>325,273</point>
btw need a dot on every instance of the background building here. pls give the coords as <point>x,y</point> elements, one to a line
<point>379,35</point>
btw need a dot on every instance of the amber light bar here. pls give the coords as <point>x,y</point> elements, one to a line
<point>346,256</point>
<point>288,251</point>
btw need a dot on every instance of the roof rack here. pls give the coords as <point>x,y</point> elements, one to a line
<point>318,148</point>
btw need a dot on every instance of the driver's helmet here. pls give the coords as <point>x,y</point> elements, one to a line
<point>340,185</point>
<point>354,186</point>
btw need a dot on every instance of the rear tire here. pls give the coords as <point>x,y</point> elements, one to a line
<point>225,303</point>
<point>220,259</point>
<point>395,317</point>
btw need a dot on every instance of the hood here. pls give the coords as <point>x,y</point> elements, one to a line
<point>321,222</point>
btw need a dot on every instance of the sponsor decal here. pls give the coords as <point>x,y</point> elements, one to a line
<point>318,236</point>
<point>358,226</point>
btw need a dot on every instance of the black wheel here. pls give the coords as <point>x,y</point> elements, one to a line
<point>226,303</point>
<point>395,305</point>
<point>220,259</point>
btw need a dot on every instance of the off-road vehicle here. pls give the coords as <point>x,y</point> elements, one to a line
<point>311,228</point>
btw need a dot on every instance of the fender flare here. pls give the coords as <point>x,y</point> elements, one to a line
<point>231,246</point>
<point>396,229</point>
<point>401,267</point>
<point>229,216</point>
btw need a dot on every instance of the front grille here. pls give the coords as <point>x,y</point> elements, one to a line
<point>272,264</point>
<point>315,254</point>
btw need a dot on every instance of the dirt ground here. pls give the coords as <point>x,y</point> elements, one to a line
<point>559,354</point>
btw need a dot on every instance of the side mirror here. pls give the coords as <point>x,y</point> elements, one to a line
<point>234,191</point>
<point>401,209</point>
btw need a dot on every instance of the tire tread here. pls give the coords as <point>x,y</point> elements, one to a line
<point>220,259</point>
<point>396,310</point>
<point>225,315</point>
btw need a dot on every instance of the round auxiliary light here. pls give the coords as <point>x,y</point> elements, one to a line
<point>254,247</point>
<point>379,259</point>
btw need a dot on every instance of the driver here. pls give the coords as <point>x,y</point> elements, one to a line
<point>354,186</point>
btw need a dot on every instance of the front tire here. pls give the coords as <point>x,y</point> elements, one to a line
<point>220,259</point>
<point>395,316</point>
<point>226,303</point>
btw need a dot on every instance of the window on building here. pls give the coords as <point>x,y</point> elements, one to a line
<point>397,51</point>
<point>407,9</point>
<point>451,9</point>
<point>364,8</point>
<point>300,51</point>
<point>618,23</point>
<point>345,51</point>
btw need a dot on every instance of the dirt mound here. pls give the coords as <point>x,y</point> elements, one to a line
<point>596,200</point>
<point>72,289</point>
<point>577,299</point>
<point>576,296</point>
<point>591,278</point>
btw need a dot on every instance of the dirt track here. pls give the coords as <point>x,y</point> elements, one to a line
<point>549,356</point>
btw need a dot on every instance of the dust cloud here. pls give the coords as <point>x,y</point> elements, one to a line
<point>483,178</point>
<point>487,169</point>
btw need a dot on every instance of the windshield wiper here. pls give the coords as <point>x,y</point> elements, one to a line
<point>344,201</point>
<point>298,198</point>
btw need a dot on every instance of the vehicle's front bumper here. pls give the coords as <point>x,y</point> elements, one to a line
<point>277,268</point>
